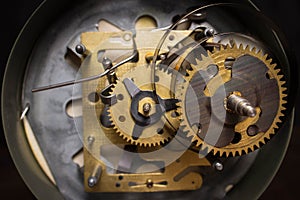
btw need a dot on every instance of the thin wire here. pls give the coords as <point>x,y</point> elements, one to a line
<point>107,71</point>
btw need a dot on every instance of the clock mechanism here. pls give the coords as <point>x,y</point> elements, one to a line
<point>157,99</point>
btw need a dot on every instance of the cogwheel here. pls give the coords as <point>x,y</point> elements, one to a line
<point>136,117</point>
<point>252,76</point>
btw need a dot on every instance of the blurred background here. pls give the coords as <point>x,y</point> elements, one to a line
<point>285,14</point>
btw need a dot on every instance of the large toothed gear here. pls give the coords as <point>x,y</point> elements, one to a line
<point>250,77</point>
<point>140,116</point>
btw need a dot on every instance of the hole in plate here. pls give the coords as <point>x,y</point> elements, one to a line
<point>73,108</point>
<point>78,158</point>
<point>145,21</point>
<point>93,97</point>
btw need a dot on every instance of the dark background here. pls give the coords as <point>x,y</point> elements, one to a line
<point>286,14</point>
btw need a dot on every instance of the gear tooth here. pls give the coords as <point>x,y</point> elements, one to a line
<point>261,143</point>
<point>178,104</point>
<point>283,89</point>
<point>251,148</point>
<point>283,108</point>
<point>265,56</point>
<point>221,48</point>
<point>277,71</point>
<point>273,66</point>
<point>247,48</point>
<point>115,128</point>
<point>209,53</point>
<point>280,77</point>
<point>203,147</point>
<point>254,49</point>
<point>238,152</point>
<point>227,46</point>
<point>241,47</point>
<point>259,52</point>
<point>227,153</point>
<point>194,139</point>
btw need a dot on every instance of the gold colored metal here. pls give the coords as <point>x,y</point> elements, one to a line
<point>218,57</point>
<point>176,176</point>
<point>36,150</point>
<point>181,91</point>
<point>150,136</point>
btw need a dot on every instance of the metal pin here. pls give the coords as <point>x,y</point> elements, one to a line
<point>80,49</point>
<point>90,139</point>
<point>209,32</point>
<point>111,76</point>
<point>107,63</point>
<point>149,183</point>
<point>218,166</point>
<point>25,111</point>
<point>146,108</point>
<point>91,78</point>
<point>240,106</point>
<point>95,176</point>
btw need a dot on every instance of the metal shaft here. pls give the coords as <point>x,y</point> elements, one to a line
<point>95,176</point>
<point>240,106</point>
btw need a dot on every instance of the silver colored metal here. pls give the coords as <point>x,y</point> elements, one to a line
<point>252,130</point>
<point>80,49</point>
<point>146,108</point>
<point>107,63</point>
<point>92,181</point>
<point>25,111</point>
<point>209,32</point>
<point>95,176</point>
<point>240,106</point>
<point>218,166</point>
<point>90,139</point>
<point>131,87</point>
<point>198,16</point>
<point>91,78</point>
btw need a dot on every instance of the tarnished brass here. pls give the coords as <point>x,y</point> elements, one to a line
<point>218,57</point>
<point>177,175</point>
<point>150,136</point>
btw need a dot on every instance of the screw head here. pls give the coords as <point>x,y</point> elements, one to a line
<point>80,49</point>
<point>146,108</point>
<point>149,183</point>
<point>92,181</point>
<point>218,166</point>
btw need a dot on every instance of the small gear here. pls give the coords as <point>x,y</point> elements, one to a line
<point>141,116</point>
<point>250,78</point>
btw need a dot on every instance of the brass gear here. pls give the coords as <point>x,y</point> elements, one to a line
<point>123,122</point>
<point>247,143</point>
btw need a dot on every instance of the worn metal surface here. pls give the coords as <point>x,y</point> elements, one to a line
<point>45,66</point>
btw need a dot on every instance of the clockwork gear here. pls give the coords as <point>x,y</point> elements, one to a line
<point>234,114</point>
<point>125,94</point>
<point>141,116</point>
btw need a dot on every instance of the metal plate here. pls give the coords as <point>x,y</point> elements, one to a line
<point>43,62</point>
